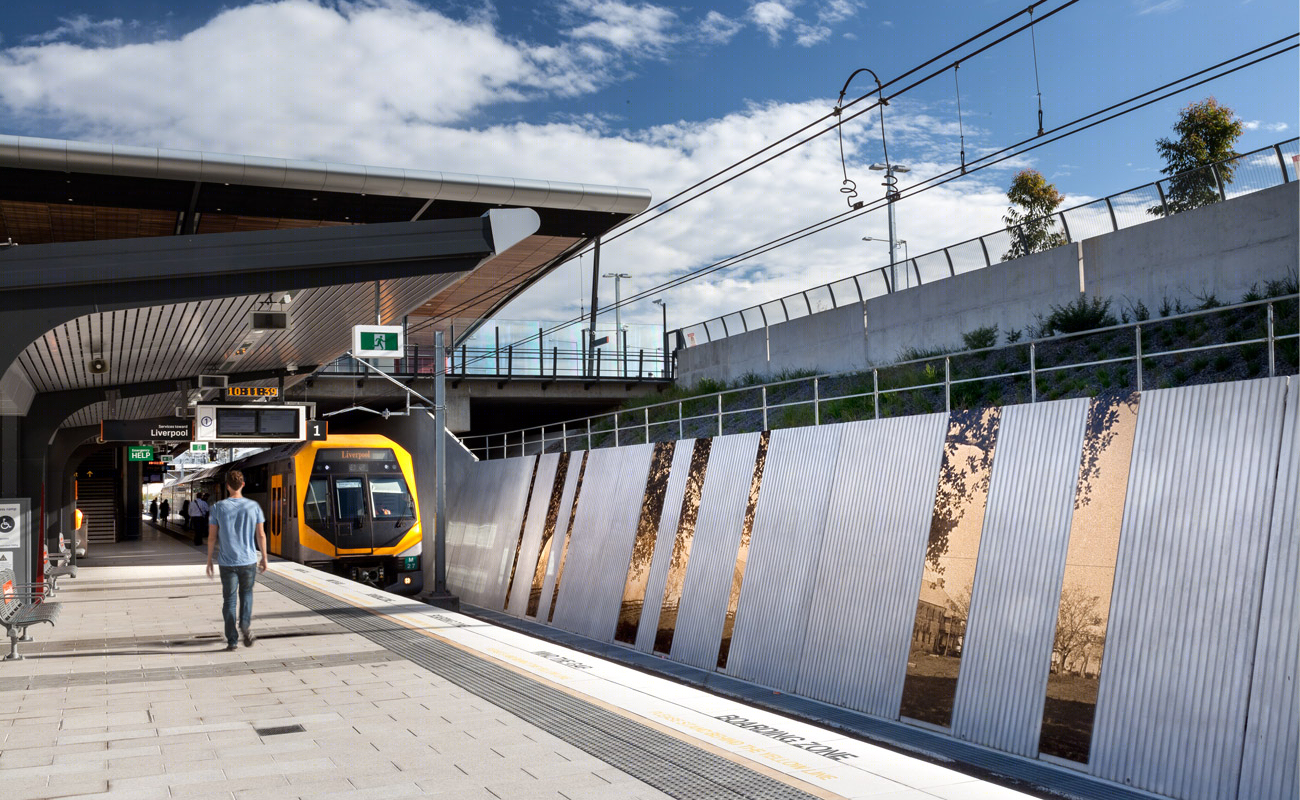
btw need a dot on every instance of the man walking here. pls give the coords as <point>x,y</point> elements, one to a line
<point>198,518</point>
<point>237,534</point>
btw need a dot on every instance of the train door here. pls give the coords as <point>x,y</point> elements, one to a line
<point>353,527</point>
<point>277,514</point>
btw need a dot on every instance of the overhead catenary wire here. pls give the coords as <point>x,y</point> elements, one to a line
<point>622,231</point>
<point>984,162</point>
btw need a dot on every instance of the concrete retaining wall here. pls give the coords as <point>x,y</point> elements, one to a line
<point>1218,250</point>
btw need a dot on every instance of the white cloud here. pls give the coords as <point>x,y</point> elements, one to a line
<point>718,28</point>
<point>395,84</point>
<point>808,35</point>
<point>643,27</point>
<point>1157,6</point>
<point>81,28</point>
<point>1276,127</point>
<point>771,17</point>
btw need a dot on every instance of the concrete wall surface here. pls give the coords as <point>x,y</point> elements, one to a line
<point>1170,508</point>
<point>1220,250</point>
<point>829,341</point>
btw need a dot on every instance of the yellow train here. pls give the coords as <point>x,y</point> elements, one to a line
<point>347,505</point>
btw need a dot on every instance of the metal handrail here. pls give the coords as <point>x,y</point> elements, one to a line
<point>879,275</point>
<point>521,440</point>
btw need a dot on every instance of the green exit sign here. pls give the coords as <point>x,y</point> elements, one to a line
<point>139,453</point>
<point>371,340</point>
<point>377,341</point>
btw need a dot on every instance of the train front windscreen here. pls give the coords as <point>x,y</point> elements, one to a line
<point>358,498</point>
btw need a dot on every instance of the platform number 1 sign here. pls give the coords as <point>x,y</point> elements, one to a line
<point>317,431</point>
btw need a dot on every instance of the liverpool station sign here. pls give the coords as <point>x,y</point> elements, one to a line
<point>170,429</point>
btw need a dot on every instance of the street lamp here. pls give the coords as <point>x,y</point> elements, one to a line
<point>618,318</point>
<point>891,194</point>
<point>663,306</point>
<point>906,271</point>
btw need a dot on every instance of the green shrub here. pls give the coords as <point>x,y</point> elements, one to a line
<point>1083,314</point>
<point>980,338</point>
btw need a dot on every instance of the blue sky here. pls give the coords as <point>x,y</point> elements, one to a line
<point>647,94</point>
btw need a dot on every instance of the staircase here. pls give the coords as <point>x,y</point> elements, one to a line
<point>97,496</point>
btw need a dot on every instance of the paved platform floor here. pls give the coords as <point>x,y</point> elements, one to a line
<point>352,693</point>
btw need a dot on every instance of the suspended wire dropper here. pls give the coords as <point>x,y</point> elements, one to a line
<point>849,188</point>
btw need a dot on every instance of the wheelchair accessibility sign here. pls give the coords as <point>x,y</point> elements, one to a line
<point>9,533</point>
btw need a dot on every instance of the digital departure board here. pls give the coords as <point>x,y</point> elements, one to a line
<point>250,424</point>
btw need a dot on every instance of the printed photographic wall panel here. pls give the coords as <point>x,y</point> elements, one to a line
<point>645,635</point>
<point>1268,770</point>
<point>1175,678</point>
<point>1013,601</point>
<point>482,527</point>
<point>519,579</point>
<point>560,537</point>
<point>604,528</point>
<point>870,564</point>
<point>790,520</point>
<point>707,585</point>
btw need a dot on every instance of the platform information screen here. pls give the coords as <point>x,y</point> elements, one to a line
<point>250,424</point>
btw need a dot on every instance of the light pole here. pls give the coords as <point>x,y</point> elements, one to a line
<point>891,194</point>
<point>663,306</point>
<point>903,242</point>
<point>618,318</point>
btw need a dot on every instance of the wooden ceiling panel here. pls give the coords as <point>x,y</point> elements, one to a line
<point>486,287</point>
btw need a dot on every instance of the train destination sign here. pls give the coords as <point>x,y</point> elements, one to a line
<point>252,391</point>
<point>171,429</point>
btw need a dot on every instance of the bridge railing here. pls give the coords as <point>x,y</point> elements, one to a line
<point>1244,340</point>
<point>519,361</point>
<point>1249,172</point>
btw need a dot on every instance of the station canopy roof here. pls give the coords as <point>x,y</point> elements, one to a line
<point>54,191</point>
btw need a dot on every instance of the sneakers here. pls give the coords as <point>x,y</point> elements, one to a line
<point>231,647</point>
<point>249,638</point>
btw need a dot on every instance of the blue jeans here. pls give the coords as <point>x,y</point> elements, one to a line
<point>242,578</point>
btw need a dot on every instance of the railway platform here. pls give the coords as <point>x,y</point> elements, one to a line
<point>352,692</point>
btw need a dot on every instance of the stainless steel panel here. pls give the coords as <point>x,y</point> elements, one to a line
<point>713,554</point>
<point>869,568</point>
<point>1268,770</point>
<point>1008,644</point>
<point>603,530</point>
<point>561,532</point>
<point>263,171</point>
<point>37,153</point>
<point>482,528</point>
<point>772,618</point>
<point>654,591</point>
<point>1171,707</point>
<point>537,506</point>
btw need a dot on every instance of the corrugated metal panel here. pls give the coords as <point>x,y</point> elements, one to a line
<point>162,342</point>
<point>860,618</point>
<point>561,531</point>
<point>1268,769</point>
<point>1171,708</point>
<point>483,526</point>
<point>527,561</point>
<point>713,554</point>
<point>608,511</point>
<point>1008,645</point>
<point>788,526</point>
<point>654,589</point>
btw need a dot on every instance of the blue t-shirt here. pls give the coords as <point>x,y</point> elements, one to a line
<point>236,519</point>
